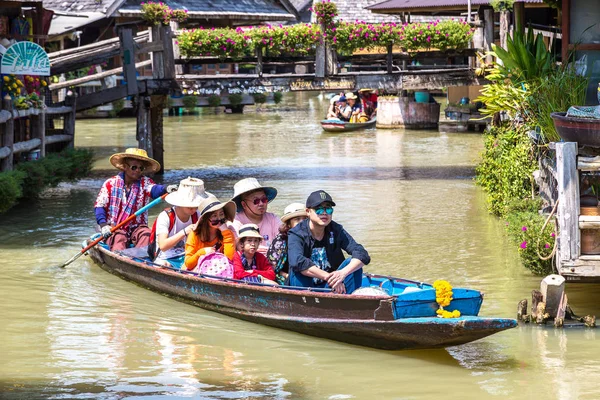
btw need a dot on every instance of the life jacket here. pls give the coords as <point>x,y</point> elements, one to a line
<point>152,246</point>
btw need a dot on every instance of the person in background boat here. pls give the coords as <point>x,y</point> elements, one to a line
<point>315,250</point>
<point>252,200</point>
<point>354,106</point>
<point>278,252</point>
<point>248,263</point>
<point>366,100</point>
<point>212,233</point>
<point>332,111</point>
<point>342,110</point>
<point>174,224</point>
<point>125,193</point>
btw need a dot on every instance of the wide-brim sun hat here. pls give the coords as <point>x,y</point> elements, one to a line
<point>334,99</point>
<point>292,211</point>
<point>249,230</point>
<point>189,193</point>
<point>117,159</point>
<point>366,90</point>
<point>248,185</point>
<point>351,96</point>
<point>211,203</point>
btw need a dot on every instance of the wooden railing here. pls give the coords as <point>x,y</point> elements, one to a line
<point>36,135</point>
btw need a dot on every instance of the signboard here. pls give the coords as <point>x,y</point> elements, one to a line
<point>25,58</point>
<point>325,84</point>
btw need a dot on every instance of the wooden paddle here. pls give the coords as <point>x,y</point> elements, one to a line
<point>114,228</point>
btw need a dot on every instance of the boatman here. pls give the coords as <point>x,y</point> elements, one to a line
<point>125,193</point>
<point>251,199</point>
<point>315,250</point>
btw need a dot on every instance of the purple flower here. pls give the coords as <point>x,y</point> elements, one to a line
<point>524,245</point>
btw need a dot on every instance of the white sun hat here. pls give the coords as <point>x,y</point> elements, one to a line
<point>249,185</point>
<point>292,211</point>
<point>190,193</point>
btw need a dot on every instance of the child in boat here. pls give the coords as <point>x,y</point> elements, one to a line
<point>212,234</point>
<point>248,262</point>
<point>315,250</point>
<point>172,226</point>
<point>278,252</point>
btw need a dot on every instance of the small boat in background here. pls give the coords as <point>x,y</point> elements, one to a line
<point>399,315</point>
<point>337,126</point>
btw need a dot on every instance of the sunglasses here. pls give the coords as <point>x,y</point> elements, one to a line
<point>323,210</point>
<point>259,200</point>
<point>135,168</point>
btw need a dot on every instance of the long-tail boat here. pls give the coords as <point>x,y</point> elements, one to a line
<point>402,317</point>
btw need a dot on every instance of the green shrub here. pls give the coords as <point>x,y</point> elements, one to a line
<point>235,99</point>
<point>31,178</point>
<point>277,97</point>
<point>214,101</point>
<point>10,189</point>
<point>118,106</point>
<point>525,231</point>
<point>506,169</point>
<point>189,103</point>
<point>259,98</point>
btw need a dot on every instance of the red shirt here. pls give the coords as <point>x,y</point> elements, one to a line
<point>262,267</point>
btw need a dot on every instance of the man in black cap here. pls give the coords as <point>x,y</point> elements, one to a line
<point>315,250</point>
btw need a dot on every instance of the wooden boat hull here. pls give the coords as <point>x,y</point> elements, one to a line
<point>337,126</point>
<point>361,320</point>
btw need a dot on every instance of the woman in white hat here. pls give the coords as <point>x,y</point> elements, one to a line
<point>354,106</point>
<point>125,193</point>
<point>174,224</point>
<point>252,199</point>
<point>248,263</point>
<point>277,254</point>
<point>212,234</point>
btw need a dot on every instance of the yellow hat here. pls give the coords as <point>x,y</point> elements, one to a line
<point>118,159</point>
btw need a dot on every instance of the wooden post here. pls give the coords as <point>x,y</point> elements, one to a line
<point>568,197</point>
<point>488,30</point>
<point>9,136</point>
<point>552,288</point>
<point>320,65</point>
<point>157,104</point>
<point>259,61</point>
<point>128,58</point>
<point>38,130</point>
<point>390,59</point>
<point>504,15</point>
<point>69,119</point>
<point>143,135</point>
<point>176,53</point>
<point>519,16</point>
<point>168,52</point>
<point>477,38</point>
<point>330,61</point>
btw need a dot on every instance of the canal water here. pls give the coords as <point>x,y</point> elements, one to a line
<point>408,196</point>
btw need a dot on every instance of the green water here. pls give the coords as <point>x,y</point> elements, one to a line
<point>408,196</point>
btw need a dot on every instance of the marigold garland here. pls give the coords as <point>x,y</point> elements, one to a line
<point>443,296</point>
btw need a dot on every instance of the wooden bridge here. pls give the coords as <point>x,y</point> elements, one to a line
<point>156,45</point>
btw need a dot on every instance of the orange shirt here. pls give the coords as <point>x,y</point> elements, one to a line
<point>194,247</point>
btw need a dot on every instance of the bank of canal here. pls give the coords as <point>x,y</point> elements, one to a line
<point>408,196</point>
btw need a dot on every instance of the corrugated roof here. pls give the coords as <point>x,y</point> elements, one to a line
<point>78,6</point>
<point>435,5</point>
<point>238,9</point>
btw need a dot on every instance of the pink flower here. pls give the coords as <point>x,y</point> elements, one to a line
<point>524,229</point>
<point>524,245</point>
<point>547,245</point>
<point>553,234</point>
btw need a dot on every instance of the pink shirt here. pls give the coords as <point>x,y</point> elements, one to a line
<point>268,227</point>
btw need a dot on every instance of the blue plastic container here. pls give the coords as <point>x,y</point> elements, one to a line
<point>422,97</point>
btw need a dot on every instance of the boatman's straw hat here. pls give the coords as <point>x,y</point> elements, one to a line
<point>189,193</point>
<point>118,159</point>
<point>211,203</point>
<point>351,96</point>
<point>250,185</point>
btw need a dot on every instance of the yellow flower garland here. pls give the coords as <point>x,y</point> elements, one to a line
<point>443,296</point>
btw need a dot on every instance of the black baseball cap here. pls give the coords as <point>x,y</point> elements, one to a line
<point>318,197</point>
